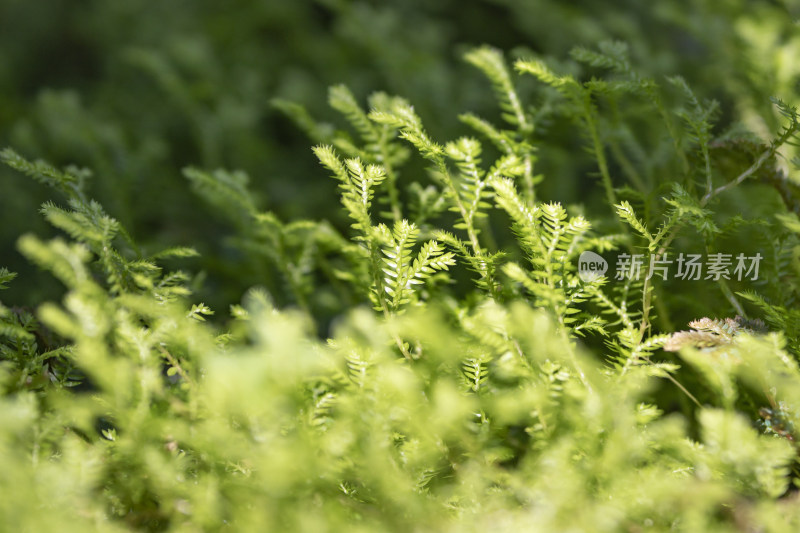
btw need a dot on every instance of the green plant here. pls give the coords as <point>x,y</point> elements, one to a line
<point>477,381</point>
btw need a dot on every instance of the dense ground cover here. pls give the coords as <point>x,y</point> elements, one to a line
<point>546,283</point>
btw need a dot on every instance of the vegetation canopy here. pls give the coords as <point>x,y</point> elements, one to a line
<point>578,312</point>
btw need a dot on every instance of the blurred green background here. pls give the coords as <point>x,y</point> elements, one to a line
<point>138,90</point>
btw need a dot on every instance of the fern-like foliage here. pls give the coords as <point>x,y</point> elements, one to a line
<point>449,402</point>
<point>70,182</point>
<point>357,183</point>
<point>699,119</point>
<point>30,354</point>
<point>552,243</point>
<point>465,195</point>
<point>581,107</point>
<point>297,250</point>
<point>402,269</point>
<point>135,292</point>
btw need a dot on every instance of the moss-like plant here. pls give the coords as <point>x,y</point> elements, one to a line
<point>477,381</point>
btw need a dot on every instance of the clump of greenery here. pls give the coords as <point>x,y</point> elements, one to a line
<point>477,381</point>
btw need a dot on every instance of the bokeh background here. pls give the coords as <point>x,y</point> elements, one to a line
<point>137,90</point>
